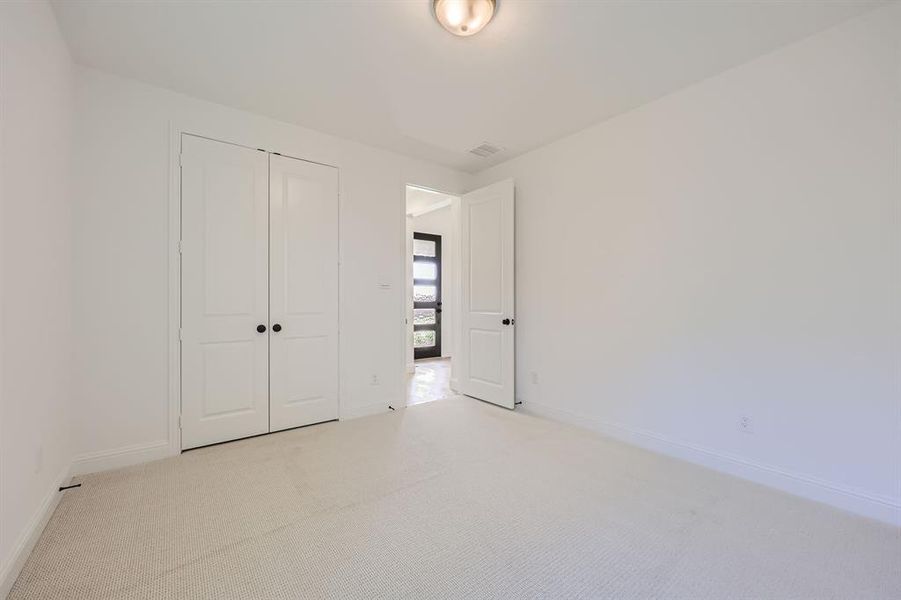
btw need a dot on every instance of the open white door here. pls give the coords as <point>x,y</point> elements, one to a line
<point>486,364</point>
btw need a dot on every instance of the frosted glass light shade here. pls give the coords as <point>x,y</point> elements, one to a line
<point>464,17</point>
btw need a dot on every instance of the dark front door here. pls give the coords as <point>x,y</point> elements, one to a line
<point>426,295</point>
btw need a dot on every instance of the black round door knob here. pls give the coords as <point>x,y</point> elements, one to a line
<point>261,329</point>
<point>276,328</point>
<point>506,321</point>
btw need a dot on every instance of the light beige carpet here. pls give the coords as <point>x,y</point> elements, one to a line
<point>449,499</point>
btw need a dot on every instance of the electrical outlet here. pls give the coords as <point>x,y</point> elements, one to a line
<point>534,377</point>
<point>745,425</point>
<point>374,380</point>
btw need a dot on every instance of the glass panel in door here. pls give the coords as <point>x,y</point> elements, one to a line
<point>426,295</point>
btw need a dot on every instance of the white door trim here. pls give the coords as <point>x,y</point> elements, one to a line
<point>174,309</point>
<point>176,129</point>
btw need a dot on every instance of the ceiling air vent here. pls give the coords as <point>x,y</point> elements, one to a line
<point>486,149</point>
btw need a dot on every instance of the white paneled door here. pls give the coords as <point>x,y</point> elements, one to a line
<point>487,342</point>
<point>224,291</point>
<point>303,304</point>
<point>259,287</point>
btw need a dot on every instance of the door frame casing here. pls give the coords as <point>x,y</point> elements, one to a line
<point>173,245</point>
<point>454,277</point>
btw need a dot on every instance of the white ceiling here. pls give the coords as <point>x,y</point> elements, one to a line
<point>421,200</point>
<point>383,72</point>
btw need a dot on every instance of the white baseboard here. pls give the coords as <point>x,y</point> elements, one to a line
<point>104,460</point>
<point>24,544</point>
<point>860,502</point>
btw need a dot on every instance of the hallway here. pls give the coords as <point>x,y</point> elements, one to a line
<point>431,381</point>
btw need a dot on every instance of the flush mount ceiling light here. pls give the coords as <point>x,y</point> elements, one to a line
<point>464,17</point>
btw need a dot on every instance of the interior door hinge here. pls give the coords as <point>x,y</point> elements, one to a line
<point>180,164</point>
<point>180,246</point>
<point>179,421</point>
<point>180,334</point>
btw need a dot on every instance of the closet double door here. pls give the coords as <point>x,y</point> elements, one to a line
<point>259,292</point>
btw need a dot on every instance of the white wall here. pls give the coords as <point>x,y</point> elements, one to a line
<point>121,249</point>
<point>440,222</point>
<point>35,275</point>
<point>730,250</point>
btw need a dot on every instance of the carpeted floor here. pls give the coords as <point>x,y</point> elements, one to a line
<point>449,499</point>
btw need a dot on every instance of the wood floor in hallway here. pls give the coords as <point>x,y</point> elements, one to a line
<point>431,381</point>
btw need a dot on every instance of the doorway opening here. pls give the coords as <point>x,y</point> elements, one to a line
<point>430,300</point>
<point>471,254</point>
